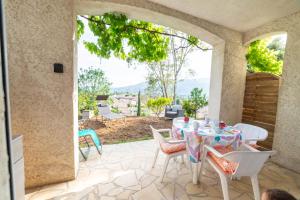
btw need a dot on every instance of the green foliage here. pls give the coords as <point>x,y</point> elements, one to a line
<point>115,109</point>
<point>138,113</point>
<point>193,40</point>
<point>196,101</point>
<point>157,105</point>
<point>130,39</point>
<point>91,82</point>
<point>278,47</point>
<point>114,32</point>
<point>262,59</point>
<point>80,28</point>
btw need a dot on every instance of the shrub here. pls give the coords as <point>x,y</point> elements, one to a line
<point>157,105</point>
<point>87,102</point>
<point>196,101</point>
<point>91,82</point>
<point>115,109</point>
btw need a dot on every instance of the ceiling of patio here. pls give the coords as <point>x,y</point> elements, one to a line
<point>240,15</point>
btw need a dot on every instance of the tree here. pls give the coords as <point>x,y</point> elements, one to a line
<point>159,78</point>
<point>138,113</point>
<point>91,82</point>
<point>196,101</point>
<point>278,46</point>
<point>157,105</point>
<point>262,59</point>
<point>165,75</point>
<point>128,39</point>
<point>179,49</point>
<point>134,40</point>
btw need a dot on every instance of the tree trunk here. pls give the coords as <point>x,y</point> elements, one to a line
<point>174,90</point>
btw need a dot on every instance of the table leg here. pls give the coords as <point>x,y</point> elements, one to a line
<point>195,172</point>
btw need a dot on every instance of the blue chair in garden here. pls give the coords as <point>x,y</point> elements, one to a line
<point>87,135</point>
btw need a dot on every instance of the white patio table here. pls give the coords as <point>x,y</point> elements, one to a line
<point>203,135</point>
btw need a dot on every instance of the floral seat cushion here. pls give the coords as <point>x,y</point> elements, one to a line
<point>227,166</point>
<point>169,148</point>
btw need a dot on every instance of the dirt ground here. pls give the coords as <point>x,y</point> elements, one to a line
<point>132,129</point>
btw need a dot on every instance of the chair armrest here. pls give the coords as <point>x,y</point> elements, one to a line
<point>215,152</point>
<point>248,147</point>
<point>176,141</point>
<point>165,130</point>
<point>254,139</point>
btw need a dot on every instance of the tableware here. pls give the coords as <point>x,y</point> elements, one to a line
<point>206,119</point>
<point>196,125</point>
<point>186,119</point>
<point>222,125</point>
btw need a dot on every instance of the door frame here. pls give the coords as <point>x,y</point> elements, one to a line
<point>4,74</point>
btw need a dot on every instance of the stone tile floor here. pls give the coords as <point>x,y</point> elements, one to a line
<point>124,171</point>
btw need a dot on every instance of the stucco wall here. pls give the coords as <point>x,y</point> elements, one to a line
<point>41,33</point>
<point>228,71</point>
<point>233,83</point>
<point>287,129</point>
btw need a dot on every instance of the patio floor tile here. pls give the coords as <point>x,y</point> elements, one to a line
<point>124,171</point>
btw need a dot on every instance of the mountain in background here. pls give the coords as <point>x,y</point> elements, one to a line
<point>184,87</point>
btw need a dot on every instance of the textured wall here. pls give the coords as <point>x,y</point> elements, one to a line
<point>287,130</point>
<point>40,33</point>
<point>233,83</point>
<point>228,66</point>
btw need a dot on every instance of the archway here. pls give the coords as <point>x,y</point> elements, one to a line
<point>99,8</point>
<point>263,84</point>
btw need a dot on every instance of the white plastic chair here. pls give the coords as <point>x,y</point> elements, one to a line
<point>160,142</point>
<point>248,161</point>
<point>252,133</point>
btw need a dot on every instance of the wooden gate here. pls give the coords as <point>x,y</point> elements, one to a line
<point>260,102</point>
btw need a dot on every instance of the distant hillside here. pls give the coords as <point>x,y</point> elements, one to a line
<point>183,88</point>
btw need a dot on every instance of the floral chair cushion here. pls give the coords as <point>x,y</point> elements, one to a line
<point>227,166</point>
<point>169,148</point>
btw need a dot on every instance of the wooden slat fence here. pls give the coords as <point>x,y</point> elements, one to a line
<point>260,102</point>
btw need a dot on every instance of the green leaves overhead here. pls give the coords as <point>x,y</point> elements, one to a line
<point>131,39</point>
<point>126,39</point>
<point>80,28</point>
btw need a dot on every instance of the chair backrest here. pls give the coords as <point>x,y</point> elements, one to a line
<point>249,162</point>
<point>176,107</point>
<point>104,110</point>
<point>157,136</point>
<point>252,133</point>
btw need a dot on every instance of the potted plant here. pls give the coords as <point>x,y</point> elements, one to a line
<point>196,101</point>
<point>187,110</point>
